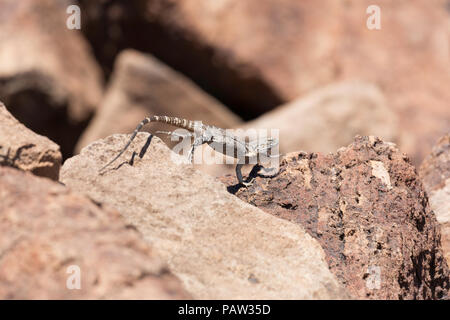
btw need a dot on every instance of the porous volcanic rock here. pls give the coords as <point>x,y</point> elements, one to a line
<point>23,149</point>
<point>49,79</point>
<point>218,245</point>
<point>143,86</point>
<point>367,208</point>
<point>49,235</point>
<point>435,175</point>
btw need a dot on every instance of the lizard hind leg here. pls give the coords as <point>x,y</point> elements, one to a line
<point>240,178</point>
<point>133,135</point>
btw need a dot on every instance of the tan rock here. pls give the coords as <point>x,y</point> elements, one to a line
<point>330,117</point>
<point>49,235</point>
<point>221,247</point>
<point>23,149</point>
<point>48,77</point>
<point>435,174</point>
<point>367,208</point>
<point>143,86</point>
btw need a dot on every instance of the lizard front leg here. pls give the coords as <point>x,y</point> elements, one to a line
<point>197,142</point>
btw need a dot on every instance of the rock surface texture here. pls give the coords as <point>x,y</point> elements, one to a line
<point>143,86</point>
<point>48,77</point>
<point>367,208</point>
<point>23,149</point>
<point>49,235</point>
<point>218,245</point>
<point>435,174</point>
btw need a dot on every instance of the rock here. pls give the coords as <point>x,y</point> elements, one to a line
<point>219,246</point>
<point>435,174</point>
<point>330,117</point>
<point>255,55</point>
<point>366,206</point>
<point>112,26</point>
<point>48,77</point>
<point>48,235</point>
<point>23,149</point>
<point>143,86</point>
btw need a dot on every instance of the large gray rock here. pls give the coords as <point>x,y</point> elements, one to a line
<point>221,247</point>
<point>49,235</point>
<point>23,149</point>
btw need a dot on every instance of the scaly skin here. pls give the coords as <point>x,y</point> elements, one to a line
<point>219,139</point>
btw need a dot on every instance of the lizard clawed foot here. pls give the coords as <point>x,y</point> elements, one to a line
<point>247,184</point>
<point>190,156</point>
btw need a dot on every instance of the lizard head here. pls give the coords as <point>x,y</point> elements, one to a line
<point>267,144</point>
<point>264,146</point>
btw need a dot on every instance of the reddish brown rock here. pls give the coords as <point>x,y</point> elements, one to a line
<point>23,149</point>
<point>435,174</point>
<point>367,208</point>
<point>254,55</point>
<point>48,77</point>
<point>218,245</point>
<point>45,229</point>
<point>143,86</point>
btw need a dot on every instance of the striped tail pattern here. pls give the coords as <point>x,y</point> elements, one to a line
<point>177,122</point>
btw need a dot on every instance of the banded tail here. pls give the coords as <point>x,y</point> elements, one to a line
<point>178,122</point>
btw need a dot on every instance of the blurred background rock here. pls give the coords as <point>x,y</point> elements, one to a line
<point>309,68</point>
